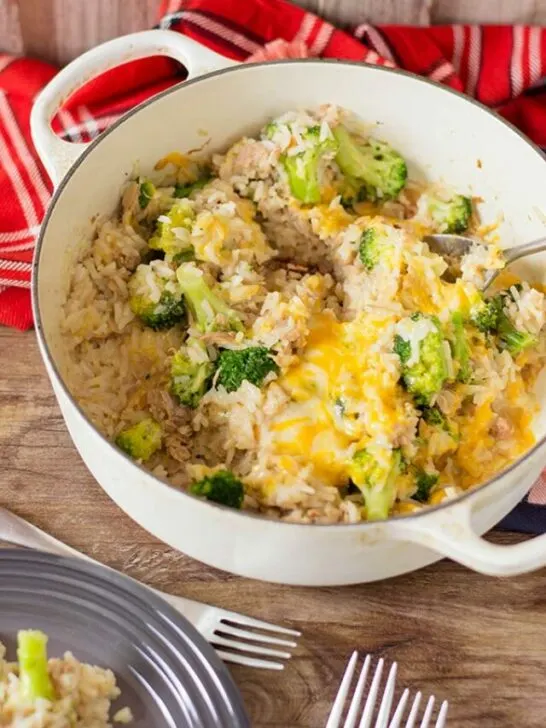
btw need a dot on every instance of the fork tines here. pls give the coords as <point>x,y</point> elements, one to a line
<point>241,650</point>
<point>365,710</point>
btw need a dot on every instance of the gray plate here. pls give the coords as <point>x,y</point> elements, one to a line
<point>168,674</point>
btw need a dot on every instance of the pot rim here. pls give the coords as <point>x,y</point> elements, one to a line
<point>48,357</point>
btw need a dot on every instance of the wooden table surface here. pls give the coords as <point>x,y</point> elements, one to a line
<point>59,30</point>
<point>477,641</point>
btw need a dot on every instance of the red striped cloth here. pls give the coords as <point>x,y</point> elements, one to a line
<point>503,67</point>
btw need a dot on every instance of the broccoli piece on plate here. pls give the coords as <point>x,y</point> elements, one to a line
<point>449,215</point>
<point>155,296</point>
<point>146,191</point>
<point>191,373</point>
<point>376,480</point>
<point>185,190</point>
<point>141,440</point>
<point>303,168</point>
<point>381,171</point>
<point>32,659</point>
<point>173,231</point>
<point>460,348</point>
<point>209,312</point>
<point>372,247</point>
<point>252,364</point>
<point>419,344</point>
<point>424,483</point>
<point>221,487</point>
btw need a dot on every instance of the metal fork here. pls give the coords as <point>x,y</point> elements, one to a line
<point>224,630</point>
<point>367,709</point>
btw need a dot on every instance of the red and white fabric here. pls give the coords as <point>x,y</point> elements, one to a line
<point>504,67</point>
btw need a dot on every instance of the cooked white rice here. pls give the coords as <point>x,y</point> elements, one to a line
<point>84,697</point>
<point>294,275</point>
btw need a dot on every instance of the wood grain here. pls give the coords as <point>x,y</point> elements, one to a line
<point>354,12</point>
<point>11,40</point>
<point>476,641</point>
<point>60,30</point>
<point>501,12</point>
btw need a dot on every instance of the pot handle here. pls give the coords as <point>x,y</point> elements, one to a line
<point>452,534</point>
<point>58,155</point>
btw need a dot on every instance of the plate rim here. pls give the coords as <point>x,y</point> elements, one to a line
<point>145,599</point>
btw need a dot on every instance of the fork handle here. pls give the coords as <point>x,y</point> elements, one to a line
<point>16,530</point>
<point>515,253</point>
<point>522,251</point>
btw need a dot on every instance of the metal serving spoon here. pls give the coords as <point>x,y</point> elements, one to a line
<point>453,247</point>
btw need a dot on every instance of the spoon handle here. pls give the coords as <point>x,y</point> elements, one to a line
<point>520,251</point>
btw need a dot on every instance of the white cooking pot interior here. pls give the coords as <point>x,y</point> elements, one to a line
<point>441,134</point>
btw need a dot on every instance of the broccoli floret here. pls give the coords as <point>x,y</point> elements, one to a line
<point>434,416</point>
<point>512,339</point>
<point>270,130</point>
<point>460,348</point>
<point>380,169</point>
<point>490,317</point>
<point>185,190</point>
<point>173,230</point>
<point>185,256</point>
<point>252,364</point>
<point>485,315</point>
<point>369,250</point>
<point>155,296</point>
<point>303,169</point>
<point>449,216</point>
<point>146,191</point>
<point>141,440</point>
<point>351,192</point>
<point>33,672</point>
<point>191,376</point>
<point>424,483</point>
<point>221,487</point>
<point>209,312</point>
<point>423,374</point>
<point>402,348</point>
<point>372,246</point>
<point>376,481</point>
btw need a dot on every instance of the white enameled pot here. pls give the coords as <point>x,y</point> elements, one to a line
<point>443,135</point>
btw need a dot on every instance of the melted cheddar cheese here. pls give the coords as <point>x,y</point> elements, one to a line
<point>344,394</point>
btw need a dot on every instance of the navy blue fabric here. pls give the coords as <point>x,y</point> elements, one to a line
<point>525,518</point>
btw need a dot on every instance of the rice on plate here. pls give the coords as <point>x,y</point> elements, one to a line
<point>267,329</point>
<point>37,692</point>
